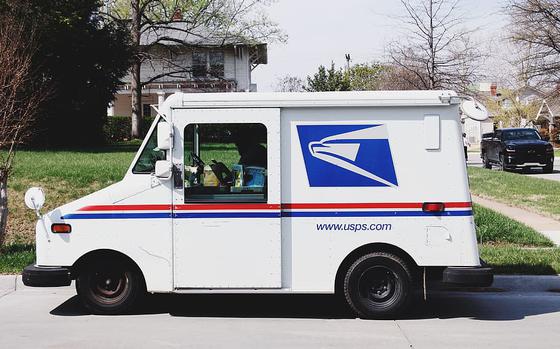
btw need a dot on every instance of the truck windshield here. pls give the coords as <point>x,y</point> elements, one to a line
<point>520,134</point>
<point>150,154</point>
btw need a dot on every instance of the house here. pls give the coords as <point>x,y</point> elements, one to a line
<point>548,115</point>
<point>206,65</point>
<point>526,97</point>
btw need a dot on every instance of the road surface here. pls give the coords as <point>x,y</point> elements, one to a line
<point>476,161</point>
<point>52,318</point>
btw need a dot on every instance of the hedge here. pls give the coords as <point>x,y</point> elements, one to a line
<point>117,128</point>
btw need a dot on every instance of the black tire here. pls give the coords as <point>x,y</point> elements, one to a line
<point>503,165</point>
<point>110,287</point>
<point>378,285</point>
<point>486,163</point>
<point>548,168</point>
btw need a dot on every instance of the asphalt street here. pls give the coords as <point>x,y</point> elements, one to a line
<point>53,318</point>
<point>475,160</point>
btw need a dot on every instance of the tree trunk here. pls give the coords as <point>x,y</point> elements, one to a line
<point>136,99</point>
<point>3,205</point>
<point>136,83</point>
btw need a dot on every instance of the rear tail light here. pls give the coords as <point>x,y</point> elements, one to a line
<point>433,207</point>
<point>59,228</point>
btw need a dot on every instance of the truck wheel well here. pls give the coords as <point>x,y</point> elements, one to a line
<point>365,249</point>
<point>103,254</point>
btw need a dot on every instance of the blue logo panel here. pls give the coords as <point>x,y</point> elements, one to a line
<point>347,155</point>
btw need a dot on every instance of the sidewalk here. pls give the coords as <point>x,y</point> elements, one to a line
<point>545,225</point>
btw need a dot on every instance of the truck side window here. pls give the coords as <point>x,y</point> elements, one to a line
<point>150,154</point>
<point>225,162</point>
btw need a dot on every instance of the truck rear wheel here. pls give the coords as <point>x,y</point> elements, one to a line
<point>378,285</point>
<point>109,287</point>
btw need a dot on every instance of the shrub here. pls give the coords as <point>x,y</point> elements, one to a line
<point>117,128</point>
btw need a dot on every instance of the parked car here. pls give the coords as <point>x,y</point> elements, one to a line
<point>516,148</point>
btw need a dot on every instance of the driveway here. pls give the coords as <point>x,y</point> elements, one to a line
<point>476,161</point>
<point>52,318</point>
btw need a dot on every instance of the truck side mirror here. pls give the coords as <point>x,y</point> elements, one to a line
<point>163,169</point>
<point>164,135</point>
<point>34,199</point>
<point>546,138</point>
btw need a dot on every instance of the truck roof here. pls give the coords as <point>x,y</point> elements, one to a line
<point>314,99</point>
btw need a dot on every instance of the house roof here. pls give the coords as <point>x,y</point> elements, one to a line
<point>554,106</point>
<point>178,33</point>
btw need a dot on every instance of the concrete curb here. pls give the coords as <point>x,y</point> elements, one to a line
<point>527,283</point>
<point>8,284</point>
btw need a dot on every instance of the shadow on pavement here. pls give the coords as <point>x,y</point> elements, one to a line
<point>477,306</point>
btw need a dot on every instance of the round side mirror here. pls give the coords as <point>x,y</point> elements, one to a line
<point>34,198</point>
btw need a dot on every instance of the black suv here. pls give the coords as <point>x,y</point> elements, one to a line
<point>516,148</point>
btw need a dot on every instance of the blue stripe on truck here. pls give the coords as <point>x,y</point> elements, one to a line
<point>152,215</point>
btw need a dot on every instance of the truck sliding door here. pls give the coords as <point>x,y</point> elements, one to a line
<point>226,216</point>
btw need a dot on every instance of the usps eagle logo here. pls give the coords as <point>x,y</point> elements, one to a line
<point>347,155</point>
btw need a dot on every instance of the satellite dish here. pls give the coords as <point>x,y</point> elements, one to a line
<point>473,109</point>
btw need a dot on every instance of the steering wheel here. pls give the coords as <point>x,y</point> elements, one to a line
<point>222,172</point>
<point>197,160</point>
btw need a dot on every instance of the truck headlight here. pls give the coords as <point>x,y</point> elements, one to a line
<point>549,148</point>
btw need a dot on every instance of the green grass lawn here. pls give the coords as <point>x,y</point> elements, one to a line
<point>66,175</point>
<point>494,228</point>
<point>536,194</point>
<point>557,153</point>
<point>511,247</point>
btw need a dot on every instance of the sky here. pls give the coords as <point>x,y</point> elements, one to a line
<point>321,31</point>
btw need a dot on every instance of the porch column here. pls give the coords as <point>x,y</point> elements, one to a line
<point>160,98</point>
<point>111,109</point>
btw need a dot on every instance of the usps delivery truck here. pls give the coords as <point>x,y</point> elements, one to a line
<point>363,194</point>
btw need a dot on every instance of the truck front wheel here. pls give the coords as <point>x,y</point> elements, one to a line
<point>503,164</point>
<point>486,162</point>
<point>109,287</point>
<point>378,285</point>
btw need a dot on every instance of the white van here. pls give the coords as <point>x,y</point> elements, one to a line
<point>359,193</point>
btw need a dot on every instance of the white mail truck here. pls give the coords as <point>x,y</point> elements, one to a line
<point>364,194</point>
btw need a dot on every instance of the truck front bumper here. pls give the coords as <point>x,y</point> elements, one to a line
<point>515,160</point>
<point>468,276</point>
<point>35,276</point>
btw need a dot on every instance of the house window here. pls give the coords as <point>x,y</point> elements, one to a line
<point>146,110</point>
<point>199,64</point>
<point>216,59</point>
<point>208,65</point>
<point>225,162</point>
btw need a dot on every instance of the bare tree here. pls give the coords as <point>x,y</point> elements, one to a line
<point>21,94</point>
<point>536,29</point>
<point>171,25</point>
<point>289,83</point>
<point>436,52</point>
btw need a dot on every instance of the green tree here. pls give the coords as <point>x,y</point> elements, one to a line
<point>331,79</point>
<point>83,57</point>
<point>366,77</point>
